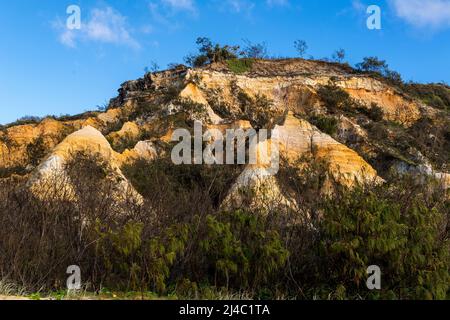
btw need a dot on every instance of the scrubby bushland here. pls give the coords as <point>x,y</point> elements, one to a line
<point>336,99</point>
<point>375,112</point>
<point>180,241</point>
<point>36,151</point>
<point>209,52</point>
<point>436,95</point>
<point>259,110</point>
<point>378,67</point>
<point>407,240</point>
<point>328,125</point>
<point>24,121</point>
<point>401,226</point>
<point>432,137</point>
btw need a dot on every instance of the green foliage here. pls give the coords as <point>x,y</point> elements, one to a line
<point>220,107</point>
<point>328,125</point>
<point>170,93</point>
<point>259,110</point>
<point>7,172</point>
<point>435,95</point>
<point>359,229</point>
<point>192,110</point>
<point>144,262</point>
<point>24,121</point>
<point>235,249</point>
<point>210,53</point>
<point>431,137</point>
<point>376,113</point>
<point>372,64</point>
<point>179,241</point>
<point>178,185</point>
<point>35,296</point>
<point>36,151</point>
<point>122,143</point>
<point>241,250</point>
<point>240,66</point>
<point>335,98</point>
<point>379,67</point>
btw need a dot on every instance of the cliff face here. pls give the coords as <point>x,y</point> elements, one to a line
<point>285,95</point>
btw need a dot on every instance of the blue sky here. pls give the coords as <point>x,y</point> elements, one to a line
<point>47,69</point>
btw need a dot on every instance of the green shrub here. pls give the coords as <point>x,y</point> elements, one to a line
<point>7,172</point>
<point>436,95</point>
<point>136,262</point>
<point>240,66</point>
<point>177,184</point>
<point>335,98</point>
<point>127,141</point>
<point>360,229</point>
<point>241,251</point>
<point>376,113</point>
<point>193,110</point>
<point>24,121</point>
<point>209,52</point>
<point>259,110</point>
<point>328,125</point>
<point>254,50</point>
<point>180,241</point>
<point>379,67</point>
<point>430,137</point>
<point>36,151</point>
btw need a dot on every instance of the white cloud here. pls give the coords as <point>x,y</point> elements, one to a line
<point>67,38</point>
<point>358,6</point>
<point>423,13</point>
<point>165,13</point>
<point>103,25</point>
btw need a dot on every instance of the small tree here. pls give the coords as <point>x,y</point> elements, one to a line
<point>339,56</point>
<point>210,53</point>
<point>375,65</point>
<point>254,50</point>
<point>154,67</point>
<point>372,64</point>
<point>301,46</point>
<point>394,76</point>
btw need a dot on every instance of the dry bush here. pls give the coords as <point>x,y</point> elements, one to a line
<point>179,241</point>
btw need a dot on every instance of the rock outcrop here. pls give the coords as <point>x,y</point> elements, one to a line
<point>298,138</point>
<point>278,95</point>
<point>50,179</point>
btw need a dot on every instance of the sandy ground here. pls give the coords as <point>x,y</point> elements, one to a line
<point>12,298</point>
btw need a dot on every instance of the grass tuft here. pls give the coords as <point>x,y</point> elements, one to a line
<point>240,66</point>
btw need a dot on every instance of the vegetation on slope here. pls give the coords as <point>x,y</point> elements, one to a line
<point>181,243</point>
